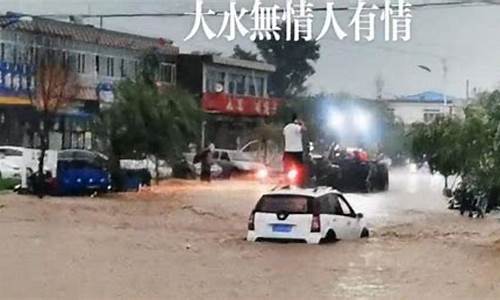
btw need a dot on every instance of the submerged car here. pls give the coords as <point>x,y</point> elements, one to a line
<point>313,216</point>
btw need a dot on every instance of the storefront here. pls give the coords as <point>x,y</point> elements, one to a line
<point>233,93</point>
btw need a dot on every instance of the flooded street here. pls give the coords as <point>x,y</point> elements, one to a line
<point>185,241</point>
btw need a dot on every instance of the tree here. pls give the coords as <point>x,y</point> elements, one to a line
<point>147,119</point>
<point>239,53</point>
<point>438,144</point>
<point>56,85</point>
<point>293,61</point>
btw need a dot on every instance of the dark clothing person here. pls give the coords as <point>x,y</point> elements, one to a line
<point>206,159</point>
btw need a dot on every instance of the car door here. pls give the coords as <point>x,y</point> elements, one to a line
<point>338,221</point>
<point>353,223</point>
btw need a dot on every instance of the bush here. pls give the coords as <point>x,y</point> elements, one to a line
<point>8,183</point>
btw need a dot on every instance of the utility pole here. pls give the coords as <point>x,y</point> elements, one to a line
<point>467,90</point>
<point>203,129</point>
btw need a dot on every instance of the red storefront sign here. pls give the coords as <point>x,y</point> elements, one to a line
<point>247,106</point>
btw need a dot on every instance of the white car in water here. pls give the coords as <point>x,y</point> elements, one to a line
<point>305,215</point>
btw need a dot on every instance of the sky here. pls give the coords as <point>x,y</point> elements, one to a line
<point>458,43</point>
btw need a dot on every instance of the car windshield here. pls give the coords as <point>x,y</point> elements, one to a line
<point>283,203</point>
<point>241,156</point>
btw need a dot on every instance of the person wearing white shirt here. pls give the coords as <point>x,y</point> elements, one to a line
<point>294,151</point>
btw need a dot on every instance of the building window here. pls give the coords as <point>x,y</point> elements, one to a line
<point>123,72</point>
<point>32,55</point>
<point>431,115</point>
<point>110,66</point>
<point>237,84</point>
<point>14,54</point>
<point>80,63</point>
<point>137,68</point>
<point>256,87</point>
<point>215,79</point>
<point>65,57</point>
<point>97,64</point>
<point>167,73</point>
<point>2,51</point>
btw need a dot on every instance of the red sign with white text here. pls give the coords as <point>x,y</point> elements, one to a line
<point>247,106</point>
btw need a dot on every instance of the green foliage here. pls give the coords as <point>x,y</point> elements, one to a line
<point>293,61</point>
<point>469,147</point>
<point>145,121</point>
<point>437,143</point>
<point>8,183</point>
<point>239,53</point>
<point>148,119</point>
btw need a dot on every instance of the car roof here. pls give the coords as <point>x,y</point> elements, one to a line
<point>6,147</point>
<point>308,192</point>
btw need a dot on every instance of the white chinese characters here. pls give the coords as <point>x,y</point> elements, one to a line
<point>296,21</point>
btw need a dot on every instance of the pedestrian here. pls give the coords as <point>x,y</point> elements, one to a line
<point>468,202</point>
<point>206,159</point>
<point>482,205</point>
<point>293,156</point>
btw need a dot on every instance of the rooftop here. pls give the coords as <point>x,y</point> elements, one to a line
<point>296,191</point>
<point>89,34</point>
<point>425,97</point>
<point>233,62</point>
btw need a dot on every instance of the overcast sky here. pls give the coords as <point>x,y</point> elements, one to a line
<point>463,40</point>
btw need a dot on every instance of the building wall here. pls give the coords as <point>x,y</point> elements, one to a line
<point>412,112</point>
<point>96,66</point>
<point>190,73</point>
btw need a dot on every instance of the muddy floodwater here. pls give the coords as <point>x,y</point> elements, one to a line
<point>184,240</point>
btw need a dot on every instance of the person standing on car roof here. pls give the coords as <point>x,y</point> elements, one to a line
<point>294,150</point>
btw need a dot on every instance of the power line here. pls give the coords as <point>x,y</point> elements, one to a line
<point>462,3</point>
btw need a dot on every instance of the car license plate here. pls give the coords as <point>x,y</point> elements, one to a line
<point>282,228</point>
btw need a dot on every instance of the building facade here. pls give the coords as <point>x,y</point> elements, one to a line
<point>424,107</point>
<point>99,57</point>
<point>233,93</point>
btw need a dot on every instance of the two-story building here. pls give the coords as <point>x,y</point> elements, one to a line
<point>100,57</point>
<point>232,93</point>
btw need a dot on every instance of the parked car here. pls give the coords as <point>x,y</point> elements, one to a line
<point>164,170</point>
<point>12,155</point>
<point>306,215</point>
<point>9,170</point>
<point>81,172</point>
<point>18,157</point>
<point>235,162</point>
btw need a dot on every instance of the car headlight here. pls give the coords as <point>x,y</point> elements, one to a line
<point>262,174</point>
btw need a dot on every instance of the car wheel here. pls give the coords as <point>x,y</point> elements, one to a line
<point>330,237</point>
<point>365,233</point>
<point>368,187</point>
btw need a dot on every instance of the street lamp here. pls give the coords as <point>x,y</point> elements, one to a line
<point>445,98</point>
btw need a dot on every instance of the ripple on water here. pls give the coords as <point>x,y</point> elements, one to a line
<point>360,287</point>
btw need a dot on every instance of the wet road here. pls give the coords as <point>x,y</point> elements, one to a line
<point>409,193</point>
<point>185,241</point>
